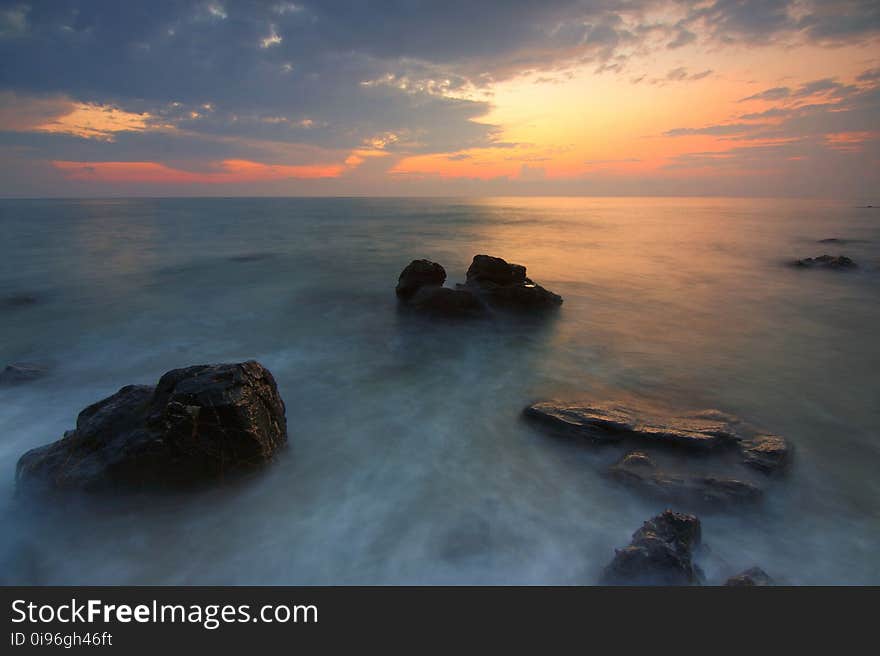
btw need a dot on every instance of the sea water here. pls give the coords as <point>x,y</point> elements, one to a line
<point>409,461</point>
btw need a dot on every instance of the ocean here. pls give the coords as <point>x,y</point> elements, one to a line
<point>409,461</point>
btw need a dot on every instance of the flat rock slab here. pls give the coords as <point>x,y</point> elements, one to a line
<point>704,430</point>
<point>197,424</point>
<point>639,471</point>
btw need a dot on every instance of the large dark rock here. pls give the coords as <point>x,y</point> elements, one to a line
<point>494,270</point>
<point>22,372</point>
<point>639,471</point>
<point>418,274</point>
<point>705,430</point>
<point>754,576</point>
<point>660,553</point>
<point>506,286</point>
<point>826,262</point>
<point>446,302</point>
<point>198,424</point>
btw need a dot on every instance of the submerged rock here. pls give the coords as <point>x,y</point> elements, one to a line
<point>18,300</point>
<point>705,430</point>
<point>638,470</point>
<point>826,262</point>
<point>446,302</point>
<point>660,553</point>
<point>506,286</point>
<point>198,424</point>
<point>418,274</point>
<point>754,576</point>
<point>22,372</point>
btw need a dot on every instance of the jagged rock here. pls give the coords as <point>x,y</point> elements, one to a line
<point>506,286</point>
<point>766,452</point>
<point>22,372</point>
<point>754,576</point>
<point>660,553</point>
<point>198,424</point>
<point>705,430</point>
<point>827,262</point>
<point>446,302</point>
<point>418,274</point>
<point>638,470</point>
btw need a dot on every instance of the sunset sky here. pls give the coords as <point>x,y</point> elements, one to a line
<point>605,97</point>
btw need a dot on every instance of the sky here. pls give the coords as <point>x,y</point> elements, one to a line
<point>452,98</point>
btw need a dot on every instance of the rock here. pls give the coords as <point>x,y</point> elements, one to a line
<point>704,430</point>
<point>766,452</point>
<point>494,270</point>
<point>418,274</point>
<point>827,262</point>
<point>754,576</point>
<point>506,286</point>
<point>612,422</point>
<point>22,372</point>
<point>660,553</point>
<point>446,302</point>
<point>18,300</point>
<point>638,470</point>
<point>198,424</point>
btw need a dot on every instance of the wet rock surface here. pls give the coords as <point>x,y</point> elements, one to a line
<point>765,452</point>
<point>197,424</point>
<point>703,431</point>
<point>418,274</point>
<point>506,286</point>
<point>826,262</point>
<point>640,472</point>
<point>754,576</point>
<point>17,373</point>
<point>660,553</point>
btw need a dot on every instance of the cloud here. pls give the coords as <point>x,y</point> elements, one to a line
<point>267,80</point>
<point>776,93</point>
<point>714,130</point>
<point>683,38</point>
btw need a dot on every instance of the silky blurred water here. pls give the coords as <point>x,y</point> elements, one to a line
<point>408,459</point>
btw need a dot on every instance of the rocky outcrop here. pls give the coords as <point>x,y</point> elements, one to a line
<point>765,452</point>
<point>639,471</point>
<point>22,372</point>
<point>705,430</point>
<point>506,286</point>
<point>660,553</point>
<point>197,424</point>
<point>754,576</point>
<point>826,262</point>
<point>418,274</point>
<point>491,282</point>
